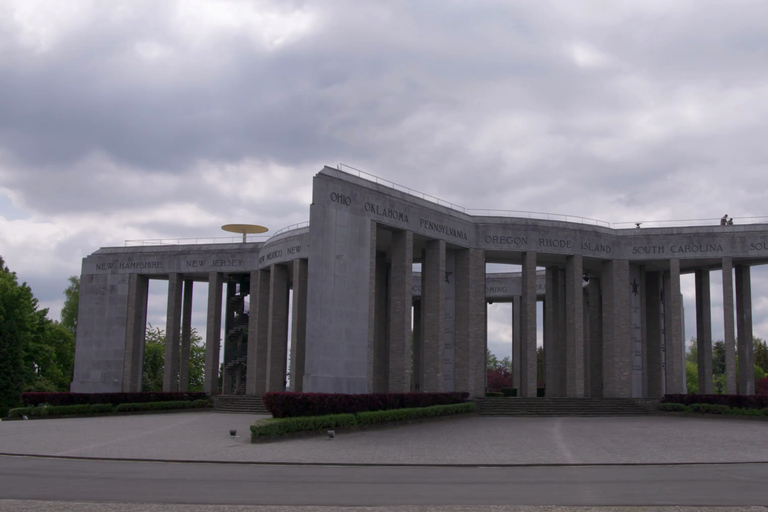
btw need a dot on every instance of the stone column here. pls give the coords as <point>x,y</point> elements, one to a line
<point>133,366</point>
<point>617,339</point>
<point>433,320</point>
<point>595,341</point>
<point>186,335</point>
<point>278,328</point>
<point>704,331</point>
<point>213,334</point>
<point>230,348</point>
<point>528,327</point>
<point>377,366</point>
<point>653,338</point>
<point>398,356</point>
<point>574,332</point>
<point>258,334</point>
<point>418,350</point>
<point>729,338</point>
<point>554,371</point>
<point>744,328</point>
<point>299,324</point>
<point>673,330</point>
<point>471,344</point>
<point>378,353</point>
<point>516,343</point>
<point>172,333</point>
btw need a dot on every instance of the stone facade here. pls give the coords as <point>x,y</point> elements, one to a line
<point>360,319</point>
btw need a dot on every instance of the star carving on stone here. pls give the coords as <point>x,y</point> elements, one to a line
<point>447,275</point>
<point>635,286</point>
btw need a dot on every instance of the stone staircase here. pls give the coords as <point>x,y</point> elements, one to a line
<point>513,406</point>
<point>242,404</point>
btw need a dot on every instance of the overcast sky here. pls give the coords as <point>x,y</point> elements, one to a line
<point>123,120</point>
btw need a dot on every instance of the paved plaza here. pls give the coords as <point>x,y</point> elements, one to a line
<point>473,440</point>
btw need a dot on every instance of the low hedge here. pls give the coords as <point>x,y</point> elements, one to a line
<point>91,409</point>
<point>740,401</point>
<point>39,398</point>
<point>289,404</point>
<point>713,409</point>
<point>275,427</point>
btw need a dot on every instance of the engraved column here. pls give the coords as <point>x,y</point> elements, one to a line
<point>574,332</point>
<point>729,338</point>
<point>299,324</point>
<point>433,311</point>
<point>471,322</point>
<point>213,334</point>
<point>617,346</point>
<point>138,288</point>
<point>186,336</point>
<point>744,328</point>
<point>653,336</point>
<point>528,327</point>
<point>258,331</point>
<point>172,333</point>
<point>400,303</point>
<point>673,330</point>
<point>704,331</point>
<point>278,328</point>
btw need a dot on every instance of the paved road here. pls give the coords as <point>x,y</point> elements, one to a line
<point>249,484</point>
<point>475,440</point>
<point>473,462</point>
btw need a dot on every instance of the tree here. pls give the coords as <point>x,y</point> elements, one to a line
<point>17,327</point>
<point>154,360</point>
<point>761,354</point>
<point>71,303</point>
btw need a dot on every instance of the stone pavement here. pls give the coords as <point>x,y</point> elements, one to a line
<point>204,436</point>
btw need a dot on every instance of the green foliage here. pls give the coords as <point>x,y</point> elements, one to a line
<point>392,415</point>
<point>761,356</point>
<point>61,410</point>
<point>692,376</point>
<point>154,360</point>
<point>672,407</point>
<point>493,394</point>
<point>18,326</point>
<point>710,408</point>
<point>71,303</point>
<point>90,409</point>
<point>281,426</point>
<point>272,427</point>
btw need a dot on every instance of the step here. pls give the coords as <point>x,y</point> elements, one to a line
<point>240,404</point>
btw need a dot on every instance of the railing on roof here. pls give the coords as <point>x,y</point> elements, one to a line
<point>401,188</point>
<point>214,240</point>
<point>478,212</point>
<point>298,225</point>
<point>453,206</point>
<point>195,241</point>
<point>539,216</point>
<point>687,222</point>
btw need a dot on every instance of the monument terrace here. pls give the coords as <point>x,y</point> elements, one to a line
<point>362,320</point>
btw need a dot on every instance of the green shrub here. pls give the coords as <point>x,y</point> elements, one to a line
<point>673,407</point>
<point>202,404</point>
<point>18,412</point>
<point>509,391</point>
<point>710,408</point>
<point>493,394</point>
<point>101,408</point>
<point>280,426</point>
